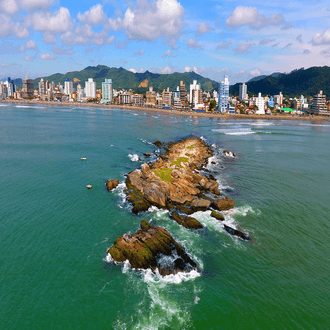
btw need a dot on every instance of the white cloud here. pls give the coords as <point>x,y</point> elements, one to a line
<point>94,16</point>
<point>266,41</point>
<point>194,69</point>
<point>167,54</point>
<point>249,16</point>
<point>322,38</point>
<point>132,70</point>
<point>5,65</point>
<point>56,22</point>
<point>31,44</point>
<point>5,26</point>
<point>9,6</point>
<point>203,28</point>
<point>222,45</point>
<point>255,73</point>
<point>49,38</point>
<point>243,48</point>
<point>61,51</point>
<point>166,70</point>
<point>48,57</point>
<point>193,43</point>
<point>28,58</point>
<point>8,27</point>
<point>139,52</point>
<point>299,38</point>
<point>151,20</point>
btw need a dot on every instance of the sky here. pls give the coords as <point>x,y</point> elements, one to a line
<point>241,39</point>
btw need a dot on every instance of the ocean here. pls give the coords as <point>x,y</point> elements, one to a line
<point>54,232</point>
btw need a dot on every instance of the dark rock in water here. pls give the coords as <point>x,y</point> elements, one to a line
<point>237,233</point>
<point>158,144</point>
<point>144,248</point>
<point>140,204</point>
<point>112,184</point>
<point>185,209</point>
<point>213,162</point>
<point>187,222</point>
<point>217,215</point>
<point>147,154</point>
<point>223,204</point>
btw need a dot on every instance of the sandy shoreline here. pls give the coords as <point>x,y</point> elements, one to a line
<point>173,112</point>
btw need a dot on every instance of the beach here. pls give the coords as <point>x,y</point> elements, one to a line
<point>174,112</point>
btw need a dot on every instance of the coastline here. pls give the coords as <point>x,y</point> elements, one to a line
<point>174,112</point>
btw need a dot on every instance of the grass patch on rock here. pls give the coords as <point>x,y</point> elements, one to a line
<point>191,147</point>
<point>188,154</point>
<point>179,161</point>
<point>164,174</point>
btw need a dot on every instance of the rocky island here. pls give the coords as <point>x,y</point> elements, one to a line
<point>172,182</point>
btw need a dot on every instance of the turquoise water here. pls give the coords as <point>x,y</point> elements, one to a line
<point>54,232</point>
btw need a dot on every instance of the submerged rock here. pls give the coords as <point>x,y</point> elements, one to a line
<point>237,233</point>
<point>158,144</point>
<point>112,184</point>
<point>147,246</point>
<point>187,222</point>
<point>147,154</point>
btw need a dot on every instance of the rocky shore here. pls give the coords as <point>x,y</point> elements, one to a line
<point>172,182</point>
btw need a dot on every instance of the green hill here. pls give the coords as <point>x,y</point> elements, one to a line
<point>307,82</point>
<point>125,79</point>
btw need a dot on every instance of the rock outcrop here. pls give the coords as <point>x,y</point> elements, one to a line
<point>147,246</point>
<point>237,233</point>
<point>223,204</point>
<point>217,215</point>
<point>187,222</point>
<point>112,184</point>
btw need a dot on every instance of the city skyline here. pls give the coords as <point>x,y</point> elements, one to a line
<point>213,38</point>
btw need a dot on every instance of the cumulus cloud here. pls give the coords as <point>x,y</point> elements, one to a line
<point>325,53</point>
<point>56,22</point>
<point>243,48</point>
<point>287,26</point>
<point>266,41</point>
<point>48,57</point>
<point>249,16</point>
<point>139,52</point>
<point>31,44</point>
<point>167,54</point>
<point>222,45</point>
<point>49,38</point>
<point>11,7</point>
<point>166,70</point>
<point>121,44</point>
<point>193,43</point>
<point>203,28</point>
<point>150,20</point>
<point>255,73</point>
<point>8,27</point>
<point>94,16</point>
<point>61,51</point>
<point>322,38</point>
<point>132,70</point>
<point>194,69</point>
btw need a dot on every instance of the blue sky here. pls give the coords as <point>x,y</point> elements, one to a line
<point>212,38</point>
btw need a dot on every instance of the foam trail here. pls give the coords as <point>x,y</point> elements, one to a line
<point>134,158</point>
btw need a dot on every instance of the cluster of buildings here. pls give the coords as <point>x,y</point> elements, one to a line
<point>181,98</point>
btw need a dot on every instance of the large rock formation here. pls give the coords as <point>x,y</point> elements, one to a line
<point>147,246</point>
<point>173,180</point>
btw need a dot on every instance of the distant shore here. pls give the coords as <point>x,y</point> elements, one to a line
<point>174,112</point>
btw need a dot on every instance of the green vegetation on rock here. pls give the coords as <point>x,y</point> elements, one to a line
<point>188,154</point>
<point>179,161</point>
<point>191,147</point>
<point>164,174</point>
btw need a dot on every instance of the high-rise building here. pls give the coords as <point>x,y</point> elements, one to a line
<point>68,87</point>
<point>3,90</point>
<point>137,100</point>
<point>223,102</point>
<point>196,94</point>
<point>167,97</point>
<point>260,103</point>
<point>319,106</point>
<point>151,96</point>
<point>90,88</point>
<point>242,92</point>
<point>27,88</point>
<point>42,87</point>
<point>107,94</point>
<point>183,92</point>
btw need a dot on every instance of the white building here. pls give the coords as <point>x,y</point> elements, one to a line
<point>242,92</point>
<point>3,90</point>
<point>107,94</point>
<point>80,94</point>
<point>90,88</point>
<point>223,102</point>
<point>68,87</point>
<point>260,103</point>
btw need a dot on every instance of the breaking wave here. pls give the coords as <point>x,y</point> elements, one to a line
<point>134,158</point>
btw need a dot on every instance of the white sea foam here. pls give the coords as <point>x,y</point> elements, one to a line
<point>3,105</point>
<point>134,158</point>
<point>145,141</point>
<point>150,277</point>
<point>235,131</point>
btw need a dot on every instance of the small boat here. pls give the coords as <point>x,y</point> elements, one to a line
<point>83,158</point>
<point>89,186</point>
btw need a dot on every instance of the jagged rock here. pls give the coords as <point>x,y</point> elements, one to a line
<point>112,184</point>
<point>217,215</point>
<point>223,204</point>
<point>187,222</point>
<point>158,144</point>
<point>147,154</point>
<point>237,233</point>
<point>200,204</point>
<point>144,249</point>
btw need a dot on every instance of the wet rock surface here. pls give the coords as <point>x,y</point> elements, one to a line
<point>112,184</point>
<point>147,249</point>
<point>187,222</point>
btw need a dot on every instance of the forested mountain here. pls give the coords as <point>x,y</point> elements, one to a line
<point>307,82</point>
<point>123,78</point>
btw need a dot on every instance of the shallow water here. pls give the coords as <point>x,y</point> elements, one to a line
<point>54,232</point>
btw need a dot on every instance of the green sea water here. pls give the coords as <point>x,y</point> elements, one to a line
<point>54,232</point>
